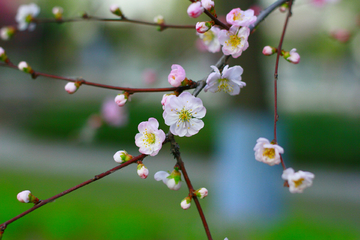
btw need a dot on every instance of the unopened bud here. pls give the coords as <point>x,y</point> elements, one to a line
<point>27,197</point>
<point>58,12</point>
<point>201,193</point>
<point>7,32</point>
<point>121,99</point>
<point>159,19</point>
<point>23,66</point>
<point>142,171</point>
<point>268,50</point>
<point>122,156</point>
<point>284,7</point>
<point>186,203</point>
<point>115,9</point>
<point>3,56</point>
<point>72,87</point>
<point>203,27</point>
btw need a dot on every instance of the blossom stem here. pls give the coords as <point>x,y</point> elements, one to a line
<point>176,152</point>
<point>276,116</point>
<point>93,18</point>
<point>82,81</point>
<point>51,199</point>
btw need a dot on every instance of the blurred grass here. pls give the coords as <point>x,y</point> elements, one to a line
<point>115,208</point>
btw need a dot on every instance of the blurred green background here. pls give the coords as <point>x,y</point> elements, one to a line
<point>51,141</point>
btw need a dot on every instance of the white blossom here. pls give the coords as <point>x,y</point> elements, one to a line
<point>234,41</point>
<point>229,80</point>
<point>298,181</point>
<point>24,16</point>
<point>210,39</point>
<point>183,114</point>
<point>267,152</point>
<point>172,181</point>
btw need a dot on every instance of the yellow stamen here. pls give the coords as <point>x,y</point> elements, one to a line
<point>269,152</point>
<point>298,182</point>
<point>185,115</point>
<point>224,85</point>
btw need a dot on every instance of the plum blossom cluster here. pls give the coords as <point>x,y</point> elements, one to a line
<point>269,153</point>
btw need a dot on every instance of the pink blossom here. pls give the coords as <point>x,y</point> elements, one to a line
<point>268,51</point>
<point>177,75</point>
<point>112,114</point>
<point>210,40</point>
<point>150,137</point>
<point>71,87</point>
<point>142,171</point>
<point>121,99</point>
<point>207,4</point>
<point>234,41</point>
<point>202,27</point>
<point>237,17</point>
<point>149,76</point>
<point>195,9</point>
<point>294,56</point>
<point>342,35</point>
<point>165,98</point>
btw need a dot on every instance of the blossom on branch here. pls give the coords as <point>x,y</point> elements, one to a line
<point>115,9</point>
<point>268,50</point>
<point>210,39</point>
<point>185,203</point>
<point>7,32</point>
<point>183,114</point>
<point>72,87</point>
<point>234,41</point>
<point>142,171</point>
<point>25,15</point>
<point>177,75</point>
<point>57,12</point>
<point>292,56</point>
<point>202,27</point>
<point>23,66</point>
<point>121,99</point>
<point>237,17</point>
<point>122,156</point>
<point>172,181</point>
<point>195,9</point>
<point>229,80</point>
<point>150,138</point>
<point>201,193</point>
<point>267,152</point>
<point>207,4</point>
<point>27,197</point>
<point>298,181</point>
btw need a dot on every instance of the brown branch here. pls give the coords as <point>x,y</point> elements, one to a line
<point>82,81</point>
<point>176,153</point>
<point>97,177</point>
<point>276,116</point>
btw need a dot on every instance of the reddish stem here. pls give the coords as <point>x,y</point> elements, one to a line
<point>276,116</point>
<point>180,163</point>
<point>97,177</point>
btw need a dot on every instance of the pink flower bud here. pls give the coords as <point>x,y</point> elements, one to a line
<point>268,51</point>
<point>27,197</point>
<point>294,56</point>
<point>207,4</point>
<point>342,35</point>
<point>142,171</point>
<point>201,193</point>
<point>71,87</point>
<point>177,75</point>
<point>195,9</point>
<point>115,9</point>
<point>121,99</point>
<point>164,99</point>
<point>186,203</point>
<point>203,27</point>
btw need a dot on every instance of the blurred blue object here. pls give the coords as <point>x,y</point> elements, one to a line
<point>245,189</point>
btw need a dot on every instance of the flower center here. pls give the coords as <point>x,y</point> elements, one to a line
<point>29,18</point>
<point>208,36</point>
<point>269,152</point>
<point>224,85</point>
<point>184,115</point>
<point>238,16</point>
<point>233,41</point>
<point>298,182</point>
<point>149,138</point>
